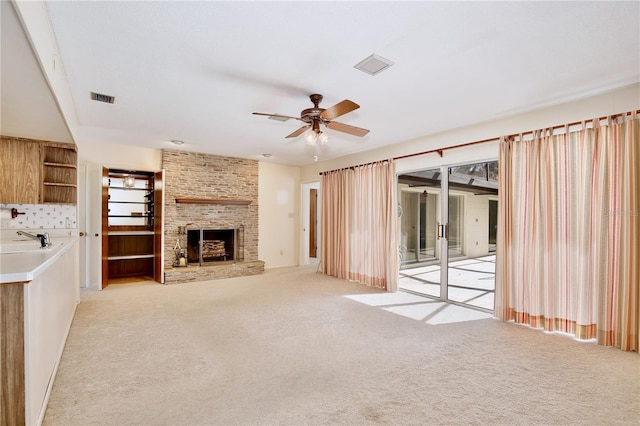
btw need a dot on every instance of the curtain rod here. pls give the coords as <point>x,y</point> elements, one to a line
<point>353,167</point>
<point>440,151</point>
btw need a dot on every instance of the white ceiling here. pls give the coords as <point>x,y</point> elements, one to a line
<point>195,71</point>
<point>28,108</point>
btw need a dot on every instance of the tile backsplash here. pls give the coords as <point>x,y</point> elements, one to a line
<point>39,216</point>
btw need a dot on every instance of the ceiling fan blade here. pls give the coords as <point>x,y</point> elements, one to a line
<point>298,132</point>
<point>352,130</point>
<point>278,117</point>
<point>339,109</point>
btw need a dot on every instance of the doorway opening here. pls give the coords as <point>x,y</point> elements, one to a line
<point>310,214</point>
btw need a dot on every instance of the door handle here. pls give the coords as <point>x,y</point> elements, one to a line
<point>442,230</point>
<point>82,234</point>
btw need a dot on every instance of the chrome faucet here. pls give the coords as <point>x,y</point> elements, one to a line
<point>42,238</point>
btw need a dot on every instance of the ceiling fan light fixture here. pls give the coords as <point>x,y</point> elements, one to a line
<point>314,117</point>
<point>373,64</point>
<point>323,138</point>
<point>311,137</point>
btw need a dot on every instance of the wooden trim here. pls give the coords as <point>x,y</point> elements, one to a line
<point>313,220</point>
<point>12,385</point>
<point>224,202</point>
<point>105,228</point>
<point>158,226</point>
<point>64,145</point>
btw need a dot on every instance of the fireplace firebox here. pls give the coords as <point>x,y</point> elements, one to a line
<point>213,245</point>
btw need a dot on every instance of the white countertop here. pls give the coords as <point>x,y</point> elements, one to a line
<point>24,266</point>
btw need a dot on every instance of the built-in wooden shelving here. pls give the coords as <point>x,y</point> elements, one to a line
<point>37,171</point>
<point>129,234</point>
<point>59,174</point>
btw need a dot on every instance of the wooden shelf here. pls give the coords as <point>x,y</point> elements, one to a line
<point>70,185</point>
<point>132,257</point>
<point>50,164</point>
<point>130,189</point>
<point>224,202</point>
<point>131,202</point>
<point>131,233</point>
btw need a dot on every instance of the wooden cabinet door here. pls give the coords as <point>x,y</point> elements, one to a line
<point>158,227</point>
<point>105,227</point>
<point>20,180</point>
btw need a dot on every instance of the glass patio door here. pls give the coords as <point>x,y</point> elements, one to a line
<point>421,245</point>
<point>447,227</point>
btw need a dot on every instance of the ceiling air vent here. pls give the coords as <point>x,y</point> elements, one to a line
<point>373,65</point>
<point>102,98</point>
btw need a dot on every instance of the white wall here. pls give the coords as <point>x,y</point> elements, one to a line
<point>120,156</point>
<point>278,214</point>
<point>476,224</point>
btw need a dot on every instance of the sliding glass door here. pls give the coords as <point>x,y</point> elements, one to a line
<point>448,228</point>
<point>419,198</point>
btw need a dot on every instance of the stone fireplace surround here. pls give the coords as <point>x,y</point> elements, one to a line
<point>210,192</point>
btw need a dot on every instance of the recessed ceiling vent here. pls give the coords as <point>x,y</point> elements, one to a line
<point>373,65</point>
<point>102,98</point>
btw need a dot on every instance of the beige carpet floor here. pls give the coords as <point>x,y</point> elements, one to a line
<point>287,347</point>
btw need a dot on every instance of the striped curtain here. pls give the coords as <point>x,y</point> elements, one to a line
<point>568,255</point>
<point>359,222</point>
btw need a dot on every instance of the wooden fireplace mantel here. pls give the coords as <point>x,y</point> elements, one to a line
<point>226,202</point>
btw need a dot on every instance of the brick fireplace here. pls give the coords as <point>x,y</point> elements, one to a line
<point>206,192</point>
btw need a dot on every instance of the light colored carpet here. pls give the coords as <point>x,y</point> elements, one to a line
<point>287,347</point>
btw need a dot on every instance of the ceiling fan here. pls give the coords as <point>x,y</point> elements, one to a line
<point>316,116</point>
